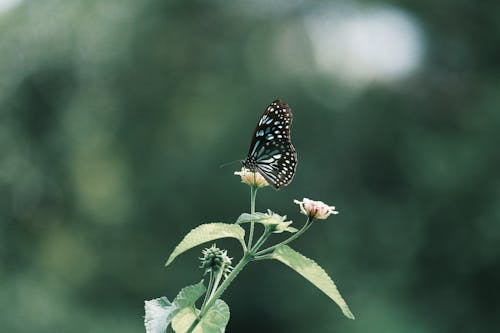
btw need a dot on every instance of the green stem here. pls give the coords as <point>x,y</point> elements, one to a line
<point>296,235</point>
<point>261,240</point>
<point>243,246</point>
<point>264,257</point>
<point>209,289</point>
<point>245,260</point>
<point>216,284</point>
<point>253,195</point>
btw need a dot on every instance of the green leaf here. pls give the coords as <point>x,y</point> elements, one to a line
<point>189,295</point>
<point>214,321</point>
<point>183,320</point>
<point>255,217</point>
<point>216,318</point>
<point>312,272</point>
<point>159,311</point>
<point>206,233</point>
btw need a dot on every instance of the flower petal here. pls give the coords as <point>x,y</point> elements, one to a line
<point>315,209</point>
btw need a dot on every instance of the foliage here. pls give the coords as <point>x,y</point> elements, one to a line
<point>213,314</point>
<point>116,115</point>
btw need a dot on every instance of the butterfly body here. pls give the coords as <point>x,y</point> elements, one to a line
<point>271,152</point>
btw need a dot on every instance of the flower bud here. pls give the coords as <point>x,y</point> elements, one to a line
<point>215,260</point>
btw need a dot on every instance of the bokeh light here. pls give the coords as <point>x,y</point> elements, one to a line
<point>6,5</point>
<point>365,44</point>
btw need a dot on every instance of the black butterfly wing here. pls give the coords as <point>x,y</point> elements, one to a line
<point>271,152</point>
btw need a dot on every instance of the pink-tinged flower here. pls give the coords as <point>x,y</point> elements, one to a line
<point>315,209</point>
<point>252,178</point>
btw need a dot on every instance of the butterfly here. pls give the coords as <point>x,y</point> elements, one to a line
<point>271,152</point>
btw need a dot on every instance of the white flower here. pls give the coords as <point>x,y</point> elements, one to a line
<point>315,209</point>
<point>275,222</point>
<point>284,226</point>
<point>278,223</point>
<point>252,178</point>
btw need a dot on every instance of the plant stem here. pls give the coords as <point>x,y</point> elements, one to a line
<point>264,257</point>
<point>216,284</point>
<point>286,241</point>
<point>209,289</point>
<point>261,240</point>
<point>253,195</point>
<point>247,257</point>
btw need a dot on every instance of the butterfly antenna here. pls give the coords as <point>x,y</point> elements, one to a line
<point>226,164</point>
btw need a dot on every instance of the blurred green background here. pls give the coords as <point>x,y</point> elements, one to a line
<point>116,114</point>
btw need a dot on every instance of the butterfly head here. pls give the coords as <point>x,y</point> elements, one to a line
<point>249,163</point>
